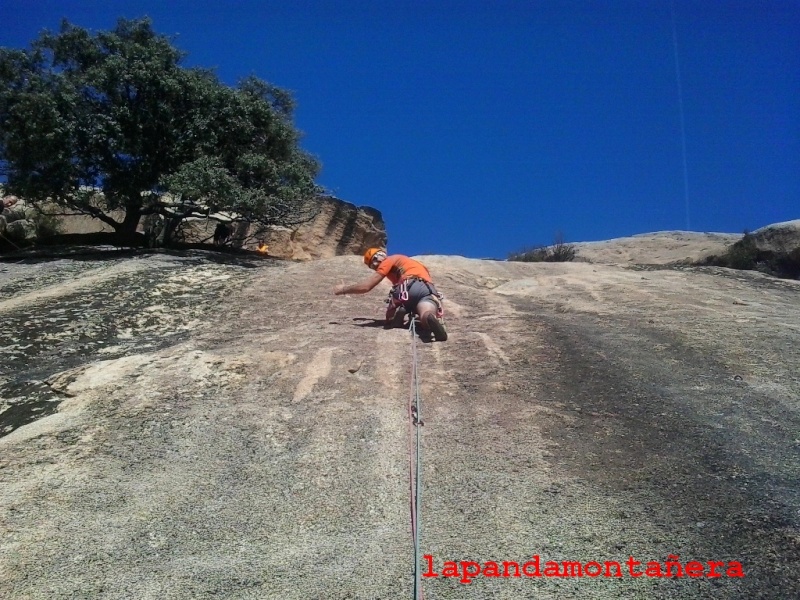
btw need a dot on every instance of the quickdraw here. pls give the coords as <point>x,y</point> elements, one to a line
<point>402,292</point>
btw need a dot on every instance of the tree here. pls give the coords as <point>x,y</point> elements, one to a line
<point>115,112</point>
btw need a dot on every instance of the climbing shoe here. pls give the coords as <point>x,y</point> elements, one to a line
<point>437,328</point>
<point>395,318</point>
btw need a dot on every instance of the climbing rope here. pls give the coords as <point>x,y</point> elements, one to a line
<point>415,460</point>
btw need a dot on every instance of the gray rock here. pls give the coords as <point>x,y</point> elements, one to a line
<point>21,231</point>
<point>779,237</point>
<point>209,439</point>
<point>340,228</point>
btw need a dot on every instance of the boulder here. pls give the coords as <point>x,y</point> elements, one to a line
<point>778,237</point>
<point>21,231</point>
<point>339,228</point>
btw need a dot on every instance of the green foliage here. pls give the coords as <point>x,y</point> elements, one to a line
<point>46,225</point>
<point>116,111</point>
<point>745,255</point>
<point>559,251</point>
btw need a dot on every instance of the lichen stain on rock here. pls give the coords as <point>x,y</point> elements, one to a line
<point>71,324</point>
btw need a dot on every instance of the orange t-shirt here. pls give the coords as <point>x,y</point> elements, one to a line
<point>398,267</point>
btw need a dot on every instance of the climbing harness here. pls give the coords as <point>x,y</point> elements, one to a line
<point>415,424</point>
<point>398,296</point>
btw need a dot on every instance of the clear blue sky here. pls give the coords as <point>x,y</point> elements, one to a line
<point>478,128</point>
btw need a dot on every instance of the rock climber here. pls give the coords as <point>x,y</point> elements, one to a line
<point>412,292</point>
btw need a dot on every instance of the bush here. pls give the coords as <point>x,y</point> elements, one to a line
<point>559,251</point>
<point>46,225</point>
<point>745,255</point>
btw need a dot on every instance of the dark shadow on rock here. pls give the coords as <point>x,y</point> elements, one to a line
<point>369,322</point>
<point>89,252</point>
<point>425,336</point>
<point>76,253</point>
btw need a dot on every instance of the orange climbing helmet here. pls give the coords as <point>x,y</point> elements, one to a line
<point>372,253</point>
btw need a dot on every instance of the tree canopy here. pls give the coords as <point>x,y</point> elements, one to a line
<point>115,111</point>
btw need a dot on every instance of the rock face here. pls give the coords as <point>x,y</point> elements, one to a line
<point>668,247</point>
<point>658,248</point>
<point>339,228</point>
<point>190,425</point>
<point>778,237</point>
<point>22,231</point>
